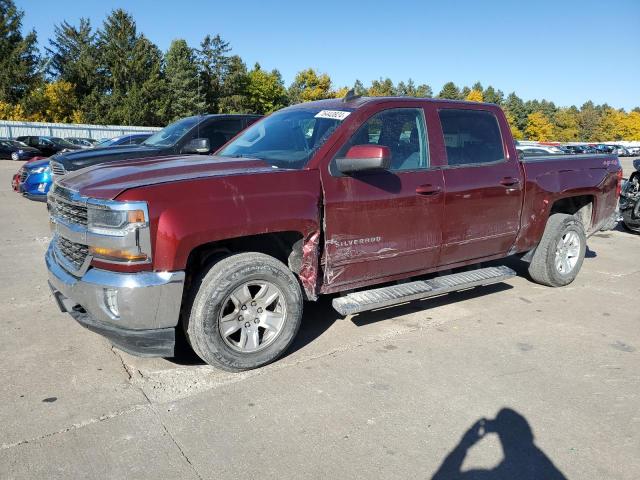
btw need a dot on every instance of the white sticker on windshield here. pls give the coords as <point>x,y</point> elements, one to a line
<point>332,114</point>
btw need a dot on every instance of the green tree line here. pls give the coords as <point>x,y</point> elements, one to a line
<point>113,74</point>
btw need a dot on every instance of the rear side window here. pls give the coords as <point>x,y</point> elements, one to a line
<point>400,129</point>
<point>471,136</point>
<point>220,132</point>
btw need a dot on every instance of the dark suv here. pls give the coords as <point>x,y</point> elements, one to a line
<point>200,134</point>
<point>48,145</point>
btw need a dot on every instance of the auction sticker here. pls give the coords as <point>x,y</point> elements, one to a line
<point>332,114</point>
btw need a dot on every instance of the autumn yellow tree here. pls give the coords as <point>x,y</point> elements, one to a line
<point>309,85</point>
<point>54,102</point>
<point>475,96</point>
<point>632,122</point>
<point>11,112</point>
<point>539,127</point>
<point>566,128</point>
<point>340,93</point>
<point>612,125</point>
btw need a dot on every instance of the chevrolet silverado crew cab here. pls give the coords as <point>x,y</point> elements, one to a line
<point>359,196</point>
<point>201,134</point>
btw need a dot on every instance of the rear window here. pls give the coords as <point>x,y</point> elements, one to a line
<point>471,136</point>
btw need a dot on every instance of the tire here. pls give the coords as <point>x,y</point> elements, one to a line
<point>543,268</point>
<point>232,297</point>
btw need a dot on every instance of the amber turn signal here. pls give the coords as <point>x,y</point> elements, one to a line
<point>117,255</point>
<point>136,216</point>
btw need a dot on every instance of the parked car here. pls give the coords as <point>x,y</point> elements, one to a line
<point>318,198</point>
<point>48,145</point>
<point>634,151</point>
<point>34,179</point>
<point>540,150</point>
<point>201,134</point>
<point>83,142</point>
<point>133,139</point>
<point>15,150</point>
<point>621,151</point>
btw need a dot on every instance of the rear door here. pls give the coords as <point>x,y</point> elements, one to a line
<point>483,185</point>
<point>381,224</point>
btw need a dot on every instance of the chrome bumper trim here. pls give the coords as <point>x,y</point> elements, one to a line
<point>145,300</point>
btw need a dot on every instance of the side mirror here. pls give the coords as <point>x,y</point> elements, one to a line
<point>197,145</point>
<point>360,158</point>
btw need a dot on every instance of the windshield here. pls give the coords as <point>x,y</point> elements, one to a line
<point>170,135</point>
<point>60,141</point>
<point>287,139</point>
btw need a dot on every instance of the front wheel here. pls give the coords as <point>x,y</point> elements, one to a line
<point>560,253</point>
<point>246,312</point>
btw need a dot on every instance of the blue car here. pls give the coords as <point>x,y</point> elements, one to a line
<point>35,180</point>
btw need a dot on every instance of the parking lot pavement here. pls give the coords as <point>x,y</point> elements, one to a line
<point>386,394</point>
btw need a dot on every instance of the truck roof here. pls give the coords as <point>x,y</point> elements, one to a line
<point>357,102</point>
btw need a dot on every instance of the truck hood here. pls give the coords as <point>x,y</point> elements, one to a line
<point>91,156</point>
<point>110,180</point>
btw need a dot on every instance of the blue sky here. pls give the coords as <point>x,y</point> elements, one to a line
<point>564,50</point>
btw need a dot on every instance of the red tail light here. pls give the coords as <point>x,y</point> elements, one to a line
<point>619,184</point>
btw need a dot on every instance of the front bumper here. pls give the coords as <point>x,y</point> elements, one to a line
<point>137,312</point>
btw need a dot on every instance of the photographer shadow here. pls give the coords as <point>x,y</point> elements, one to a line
<point>523,460</point>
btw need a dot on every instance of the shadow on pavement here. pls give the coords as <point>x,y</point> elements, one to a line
<point>523,460</point>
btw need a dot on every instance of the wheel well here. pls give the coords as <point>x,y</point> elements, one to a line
<point>279,245</point>
<point>580,206</point>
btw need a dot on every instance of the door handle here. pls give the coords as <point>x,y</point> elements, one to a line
<point>428,189</point>
<point>509,181</point>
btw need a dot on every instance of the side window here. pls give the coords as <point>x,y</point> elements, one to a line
<point>220,132</point>
<point>471,136</point>
<point>402,130</point>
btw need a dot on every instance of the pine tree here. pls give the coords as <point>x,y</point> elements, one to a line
<point>358,88</point>
<point>515,106</point>
<point>185,96</point>
<point>19,58</point>
<point>382,88</point>
<point>450,91</point>
<point>214,67</point>
<point>234,88</point>
<point>492,95</point>
<point>72,57</point>
<point>588,120</point>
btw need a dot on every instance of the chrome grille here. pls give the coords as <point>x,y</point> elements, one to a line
<point>23,174</point>
<point>57,168</point>
<point>66,211</point>
<point>73,253</point>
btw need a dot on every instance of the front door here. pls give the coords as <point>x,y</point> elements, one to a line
<point>483,187</point>
<point>381,224</point>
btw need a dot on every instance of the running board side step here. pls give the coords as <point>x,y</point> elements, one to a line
<point>364,300</point>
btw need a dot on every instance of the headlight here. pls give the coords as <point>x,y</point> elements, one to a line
<point>106,221</point>
<point>119,231</point>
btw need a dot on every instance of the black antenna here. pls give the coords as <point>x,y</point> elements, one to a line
<point>351,95</point>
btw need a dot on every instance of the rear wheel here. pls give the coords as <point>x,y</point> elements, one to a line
<point>246,312</point>
<point>560,253</point>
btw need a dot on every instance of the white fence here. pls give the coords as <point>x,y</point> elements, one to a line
<point>11,129</point>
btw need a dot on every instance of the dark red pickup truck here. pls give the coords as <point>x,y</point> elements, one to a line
<point>358,196</point>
